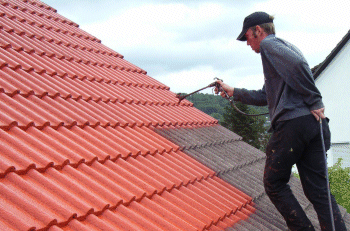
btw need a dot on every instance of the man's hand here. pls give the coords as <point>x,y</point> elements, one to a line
<point>319,113</point>
<point>224,86</point>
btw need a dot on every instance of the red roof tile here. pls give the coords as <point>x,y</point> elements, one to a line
<point>78,150</point>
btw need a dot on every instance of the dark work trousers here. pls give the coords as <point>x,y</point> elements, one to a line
<point>298,141</point>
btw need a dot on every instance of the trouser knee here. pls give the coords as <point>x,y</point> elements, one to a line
<point>275,187</point>
<point>270,187</point>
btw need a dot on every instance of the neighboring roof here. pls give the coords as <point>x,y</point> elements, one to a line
<point>317,70</point>
<point>89,141</point>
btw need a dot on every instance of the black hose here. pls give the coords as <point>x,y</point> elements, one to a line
<point>327,178</point>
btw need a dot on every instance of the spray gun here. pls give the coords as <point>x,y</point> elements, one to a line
<point>214,84</point>
<point>220,89</point>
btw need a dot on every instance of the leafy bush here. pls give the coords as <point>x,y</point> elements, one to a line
<point>339,180</point>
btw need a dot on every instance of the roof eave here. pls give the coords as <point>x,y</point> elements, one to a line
<point>331,56</point>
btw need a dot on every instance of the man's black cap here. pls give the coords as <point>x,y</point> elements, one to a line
<point>254,19</point>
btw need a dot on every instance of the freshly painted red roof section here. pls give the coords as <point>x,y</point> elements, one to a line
<point>78,150</point>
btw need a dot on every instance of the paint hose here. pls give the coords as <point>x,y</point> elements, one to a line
<point>327,178</point>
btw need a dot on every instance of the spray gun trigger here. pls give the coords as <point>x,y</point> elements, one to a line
<point>217,85</point>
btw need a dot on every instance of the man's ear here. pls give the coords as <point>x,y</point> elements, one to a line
<point>259,30</point>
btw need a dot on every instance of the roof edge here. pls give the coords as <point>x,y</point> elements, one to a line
<point>332,55</point>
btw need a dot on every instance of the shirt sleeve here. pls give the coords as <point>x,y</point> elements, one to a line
<point>251,97</point>
<point>291,65</point>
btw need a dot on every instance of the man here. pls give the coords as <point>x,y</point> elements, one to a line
<point>295,107</point>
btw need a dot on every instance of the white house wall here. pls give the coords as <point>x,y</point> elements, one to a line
<point>334,84</point>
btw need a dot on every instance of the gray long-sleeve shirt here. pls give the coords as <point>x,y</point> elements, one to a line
<point>289,89</point>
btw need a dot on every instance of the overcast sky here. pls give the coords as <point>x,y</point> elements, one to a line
<point>185,44</point>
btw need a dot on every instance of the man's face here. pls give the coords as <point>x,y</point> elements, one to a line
<point>253,41</point>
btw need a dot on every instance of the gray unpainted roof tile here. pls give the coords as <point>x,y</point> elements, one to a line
<point>242,166</point>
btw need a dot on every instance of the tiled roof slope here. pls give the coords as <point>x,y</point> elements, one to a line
<point>78,150</point>
<point>242,166</point>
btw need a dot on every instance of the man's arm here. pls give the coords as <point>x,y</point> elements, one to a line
<point>251,97</point>
<point>229,90</point>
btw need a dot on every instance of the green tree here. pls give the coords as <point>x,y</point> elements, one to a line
<point>212,105</point>
<point>339,180</point>
<point>251,129</point>
<point>217,116</point>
